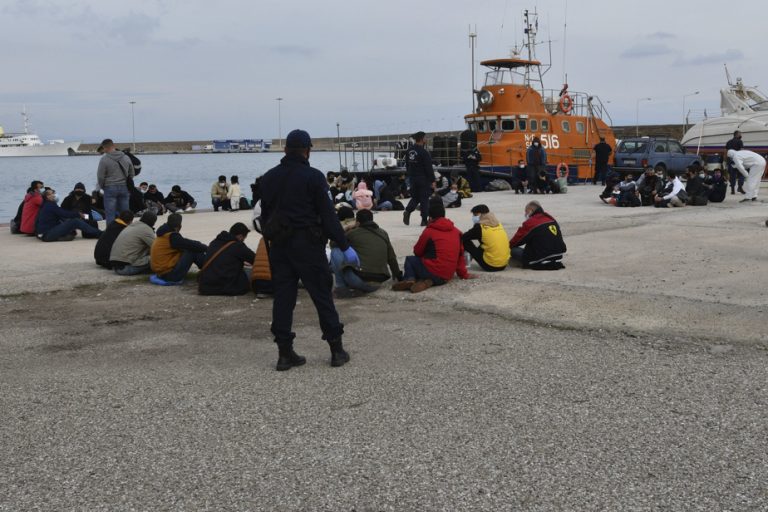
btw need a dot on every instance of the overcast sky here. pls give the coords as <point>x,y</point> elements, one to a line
<point>202,69</point>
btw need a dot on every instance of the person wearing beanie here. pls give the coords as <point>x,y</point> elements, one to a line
<point>80,202</point>
<point>101,253</point>
<point>130,252</point>
<point>437,255</point>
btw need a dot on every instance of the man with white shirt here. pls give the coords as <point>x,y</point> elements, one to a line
<point>751,166</point>
<point>674,193</point>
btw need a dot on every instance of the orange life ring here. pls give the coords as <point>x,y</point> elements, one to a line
<point>559,168</point>
<point>566,103</point>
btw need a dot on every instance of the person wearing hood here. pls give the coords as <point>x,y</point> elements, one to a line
<point>79,201</point>
<point>55,224</point>
<point>179,201</point>
<point>107,239</point>
<point>538,244</point>
<point>492,254</point>
<point>114,171</point>
<point>220,194</point>
<point>130,252</point>
<point>223,272</point>
<point>172,255</point>
<point>33,200</point>
<point>752,167</point>
<point>377,259</point>
<point>536,159</point>
<point>363,197</point>
<point>437,255</point>
<point>717,186</point>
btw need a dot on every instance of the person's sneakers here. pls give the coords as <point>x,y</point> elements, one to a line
<point>66,238</point>
<point>741,190</point>
<point>423,223</point>
<point>746,200</point>
<point>339,356</point>
<point>403,286</point>
<point>406,217</point>
<point>288,359</point>
<point>754,199</point>
<point>420,286</point>
<point>733,192</point>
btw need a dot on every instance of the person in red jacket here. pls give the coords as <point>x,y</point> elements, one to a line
<point>543,240</point>
<point>438,254</point>
<point>32,203</point>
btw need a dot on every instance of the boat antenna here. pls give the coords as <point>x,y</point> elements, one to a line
<point>728,75</point>
<point>565,35</point>
<point>472,44</point>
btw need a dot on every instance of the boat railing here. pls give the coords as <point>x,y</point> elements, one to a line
<point>582,103</point>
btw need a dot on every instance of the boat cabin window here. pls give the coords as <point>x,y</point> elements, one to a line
<point>566,126</point>
<point>544,125</point>
<point>481,126</point>
<point>522,124</point>
<point>507,125</point>
<point>534,123</point>
<point>674,147</point>
<point>580,126</point>
<point>492,125</point>
<point>498,77</point>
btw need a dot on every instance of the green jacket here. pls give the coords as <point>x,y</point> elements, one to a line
<point>375,251</point>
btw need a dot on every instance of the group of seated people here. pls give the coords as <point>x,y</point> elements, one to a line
<point>524,181</point>
<point>653,189</point>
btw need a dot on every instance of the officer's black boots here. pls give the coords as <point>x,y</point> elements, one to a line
<point>339,356</point>
<point>287,358</point>
<point>406,217</point>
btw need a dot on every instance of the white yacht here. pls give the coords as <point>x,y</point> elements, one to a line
<point>29,144</point>
<point>742,108</point>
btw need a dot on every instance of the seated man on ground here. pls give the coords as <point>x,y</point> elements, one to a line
<point>107,239</point>
<point>154,199</point>
<point>172,255</point>
<point>627,189</point>
<point>493,252</point>
<point>519,179</point>
<point>363,197</point>
<point>462,184</point>
<point>438,254</point>
<point>55,224</point>
<point>450,196</point>
<point>179,201</point>
<point>698,194</point>
<point>130,252</point>
<point>79,201</point>
<point>538,244</point>
<point>611,181</point>
<point>674,194</point>
<point>717,186</point>
<point>649,185</point>
<point>375,252</point>
<point>223,272</point>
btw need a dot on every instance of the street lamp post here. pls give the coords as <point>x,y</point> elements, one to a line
<point>338,142</point>
<point>133,126</point>
<point>279,123</point>
<point>685,117</point>
<point>637,115</point>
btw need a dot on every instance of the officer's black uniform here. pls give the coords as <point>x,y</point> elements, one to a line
<point>418,167</point>
<point>602,154</point>
<point>306,203</point>
<point>733,174</point>
<point>472,160</point>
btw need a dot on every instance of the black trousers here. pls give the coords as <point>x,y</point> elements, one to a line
<point>420,192</point>
<point>477,254</point>
<point>302,257</point>
<point>473,176</point>
<point>733,175</point>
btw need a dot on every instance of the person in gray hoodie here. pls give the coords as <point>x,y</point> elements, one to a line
<point>115,169</point>
<point>130,252</point>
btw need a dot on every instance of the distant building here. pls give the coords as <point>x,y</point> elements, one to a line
<point>241,146</point>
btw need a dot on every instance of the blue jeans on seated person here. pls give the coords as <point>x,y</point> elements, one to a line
<point>67,227</point>
<point>414,270</point>
<point>345,276</point>
<point>130,270</point>
<point>181,269</point>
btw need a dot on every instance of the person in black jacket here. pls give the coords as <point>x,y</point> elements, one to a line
<point>78,201</point>
<point>736,144</point>
<point>717,186</point>
<point>154,199</point>
<point>538,244</point>
<point>602,154</point>
<point>222,273</point>
<point>179,201</point>
<point>104,245</point>
<point>418,166</point>
<point>297,218</point>
<point>698,194</point>
<point>472,159</point>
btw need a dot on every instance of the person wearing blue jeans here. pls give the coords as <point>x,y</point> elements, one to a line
<point>183,265</point>
<point>345,276</point>
<point>414,270</point>
<point>54,223</point>
<point>114,172</point>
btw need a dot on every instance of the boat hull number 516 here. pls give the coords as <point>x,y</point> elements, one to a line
<point>547,141</point>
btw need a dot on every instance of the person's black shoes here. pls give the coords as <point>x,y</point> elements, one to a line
<point>288,359</point>
<point>741,190</point>
<point>423,223</point>
<point>406,217</point>
<point>339,356</point>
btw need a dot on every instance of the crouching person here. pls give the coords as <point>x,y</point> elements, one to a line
<point>224,270</point>
<point>376,254</point>
<point>131,251</point>
<point>538,244</point>
<point>107,239</point>
<point>172,255</point>
<point>438,254</point>
<point>55,224</point>
<point>674,193</point>
<point>492,254</point>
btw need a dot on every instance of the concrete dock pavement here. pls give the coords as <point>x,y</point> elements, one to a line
<point>634,379</point>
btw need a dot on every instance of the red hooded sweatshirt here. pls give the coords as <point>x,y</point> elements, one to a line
<point>440,248</point>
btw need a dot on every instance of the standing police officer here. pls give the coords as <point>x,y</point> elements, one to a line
<point>418,167</point>
<point>733,174</point>
<point>297,196</point>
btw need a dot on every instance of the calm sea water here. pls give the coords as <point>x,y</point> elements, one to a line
<point>195,173</point>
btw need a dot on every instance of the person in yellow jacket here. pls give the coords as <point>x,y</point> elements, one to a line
<point>492,254</point>
<point>172,255</point>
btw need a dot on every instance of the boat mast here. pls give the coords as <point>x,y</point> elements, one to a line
<point>25,117</point>
<point>530,42</point>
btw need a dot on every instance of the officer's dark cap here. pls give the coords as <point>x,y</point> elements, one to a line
<point>298,139</point>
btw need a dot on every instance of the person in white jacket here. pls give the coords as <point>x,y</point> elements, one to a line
<point>234,193</point>
<point>751,166</point>
<point>671,190</point>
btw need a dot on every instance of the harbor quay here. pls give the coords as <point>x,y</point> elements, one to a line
<point>635,378</point>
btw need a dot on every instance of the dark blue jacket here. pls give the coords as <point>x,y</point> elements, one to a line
<point>536,156</point>
<point>51,215</point>
<point>418,163</point>
<point>305,201</point>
